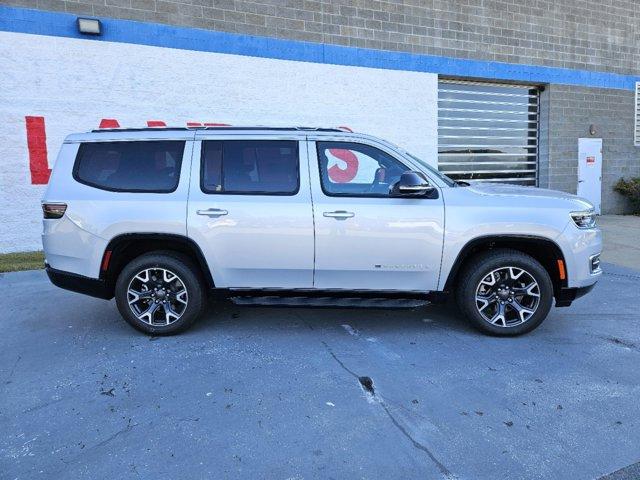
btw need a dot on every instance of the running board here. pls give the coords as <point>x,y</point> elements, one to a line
<point>329,302</point>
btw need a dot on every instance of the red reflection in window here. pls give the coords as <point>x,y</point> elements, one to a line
<point>343,175</point>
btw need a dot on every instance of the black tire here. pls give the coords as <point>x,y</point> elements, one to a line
<point>189,277</point>
<point>479,268</point>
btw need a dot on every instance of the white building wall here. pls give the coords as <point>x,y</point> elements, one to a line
<point>75,83</point>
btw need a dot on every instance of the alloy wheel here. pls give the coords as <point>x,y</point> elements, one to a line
<point>507,296</point>
<point>157,296</point>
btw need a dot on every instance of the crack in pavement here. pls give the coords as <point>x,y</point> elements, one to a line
<point>85,451</point>
<point>13,369</point>
<point>619,341</point>
<point>112,437</point>
<point>446,473</point>
<point>43,405</point>
<point>621,275</point>
<point>444,470</point>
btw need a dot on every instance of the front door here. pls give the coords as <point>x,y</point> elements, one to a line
<point>365,239</point>
<point>590,170</point>
<point>250,211</point>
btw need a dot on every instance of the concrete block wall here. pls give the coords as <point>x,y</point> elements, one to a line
<point>574,34</point>
<point>571,111</point>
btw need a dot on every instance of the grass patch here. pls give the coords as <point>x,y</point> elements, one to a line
<point>12,262</point>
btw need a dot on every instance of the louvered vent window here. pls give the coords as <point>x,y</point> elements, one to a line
<point>488,132</point>
<point>636,135</point>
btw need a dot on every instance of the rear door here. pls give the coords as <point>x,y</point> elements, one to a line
<point>250,210</point>
<point>116,183</point>
<point>365,239</point>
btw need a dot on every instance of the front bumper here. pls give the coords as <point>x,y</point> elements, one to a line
<point>579,247</point>
<point>94,287</point>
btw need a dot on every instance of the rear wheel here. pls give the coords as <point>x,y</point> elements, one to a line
<point>160,293</point>
<point>505,292</point>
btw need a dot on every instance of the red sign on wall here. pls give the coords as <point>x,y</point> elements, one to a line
<point>37,146</point>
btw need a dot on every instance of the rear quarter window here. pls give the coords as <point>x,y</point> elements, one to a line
<point>142,166</point>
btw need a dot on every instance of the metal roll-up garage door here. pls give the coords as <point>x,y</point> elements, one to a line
<point>488,132</point>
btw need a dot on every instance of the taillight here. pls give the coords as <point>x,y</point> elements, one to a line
<point>53,210</point>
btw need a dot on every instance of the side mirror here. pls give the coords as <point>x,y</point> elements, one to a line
<point>411,184</point>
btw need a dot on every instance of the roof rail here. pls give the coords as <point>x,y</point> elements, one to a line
<point>216,127</point>
<point>141,129</point>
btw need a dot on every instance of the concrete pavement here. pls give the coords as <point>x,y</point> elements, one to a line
<point>277,393</point>
<point>621,235</point>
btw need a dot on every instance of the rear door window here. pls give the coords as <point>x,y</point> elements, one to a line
<point>259,167</point>
<point>141,166</point>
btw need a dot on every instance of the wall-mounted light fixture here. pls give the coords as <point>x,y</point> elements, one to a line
<point>592,130</point>
<point>89,26</point>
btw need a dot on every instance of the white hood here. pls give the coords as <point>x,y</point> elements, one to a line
<point>522,192</point>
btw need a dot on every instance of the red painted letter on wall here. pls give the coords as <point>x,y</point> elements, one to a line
<point>339,175</point>
<point>37,145</point>
<point>156,123</point>
<point>109,123</point>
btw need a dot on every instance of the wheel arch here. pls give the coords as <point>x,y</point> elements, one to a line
<point>543,249</point>
<point>124,248</point>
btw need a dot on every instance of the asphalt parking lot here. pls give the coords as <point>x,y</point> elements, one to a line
<point>275,393</point>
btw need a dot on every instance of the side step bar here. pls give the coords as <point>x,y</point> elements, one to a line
<point>329,302</point>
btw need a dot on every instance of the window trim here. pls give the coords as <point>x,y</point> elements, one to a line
<point>256,193</point>
<point>365,195</point>
<point>76,167</point>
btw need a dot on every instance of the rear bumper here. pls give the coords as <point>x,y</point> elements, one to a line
<point>568,295</point>
<point>94,287</point>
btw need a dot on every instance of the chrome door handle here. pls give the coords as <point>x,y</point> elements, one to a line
<point>212,212</point>
<point>339,214</point>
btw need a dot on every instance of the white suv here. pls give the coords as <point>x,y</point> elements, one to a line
<point>158,217</point>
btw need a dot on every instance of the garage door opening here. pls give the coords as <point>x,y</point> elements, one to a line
<point>488,132</point>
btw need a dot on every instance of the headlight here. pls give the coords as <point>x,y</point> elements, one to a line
<point>584,218</point>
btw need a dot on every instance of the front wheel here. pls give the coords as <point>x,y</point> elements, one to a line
<point>160,293</point>
<point>505,292</point>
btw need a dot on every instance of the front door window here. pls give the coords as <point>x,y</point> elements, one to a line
<point>355,169</point>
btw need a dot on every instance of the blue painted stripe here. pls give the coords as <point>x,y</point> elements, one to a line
<point>38,22</point>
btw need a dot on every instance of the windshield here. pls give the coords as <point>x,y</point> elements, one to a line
<point>441,176</point>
